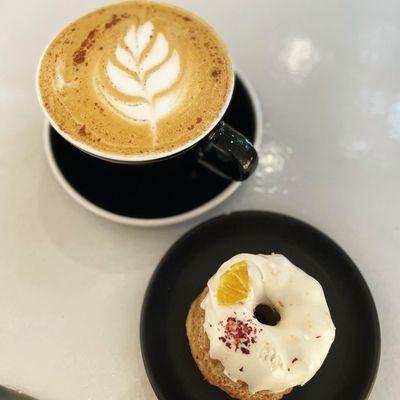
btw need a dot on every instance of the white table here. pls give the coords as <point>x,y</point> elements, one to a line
<point>328,77</point>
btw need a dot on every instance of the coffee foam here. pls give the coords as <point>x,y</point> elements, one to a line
<point>136,78</point>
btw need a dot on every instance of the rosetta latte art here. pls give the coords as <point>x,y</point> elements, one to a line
<point>136,79</point>
<point>146,71</point>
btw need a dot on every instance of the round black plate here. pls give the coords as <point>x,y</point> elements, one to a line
<point>135,191</point>
<point>350,368</point>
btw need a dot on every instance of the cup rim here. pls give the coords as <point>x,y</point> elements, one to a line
<point>165,221</point>
<point>138,158</point>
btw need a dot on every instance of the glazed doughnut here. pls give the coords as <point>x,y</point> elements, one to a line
<point>267,323</point>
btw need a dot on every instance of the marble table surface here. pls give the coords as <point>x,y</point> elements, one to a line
<point>327,75</point>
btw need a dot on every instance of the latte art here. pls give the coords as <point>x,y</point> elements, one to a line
<point>136,78</point>
<point>152,71</point>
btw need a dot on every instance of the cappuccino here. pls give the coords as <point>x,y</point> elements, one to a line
<point>136,78</point>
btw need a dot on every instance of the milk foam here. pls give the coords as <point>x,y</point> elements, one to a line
<point>151,71</point>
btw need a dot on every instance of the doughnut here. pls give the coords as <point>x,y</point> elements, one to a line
<point>261,327</point>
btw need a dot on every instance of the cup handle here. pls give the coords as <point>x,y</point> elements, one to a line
<point>228,153</point>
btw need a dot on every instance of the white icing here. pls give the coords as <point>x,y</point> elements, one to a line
<point>151,71</point>
<point>284,355</point>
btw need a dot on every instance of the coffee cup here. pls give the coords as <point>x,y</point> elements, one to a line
<point>142,82</point>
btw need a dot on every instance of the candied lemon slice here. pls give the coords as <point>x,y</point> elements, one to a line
<point>234,285</point>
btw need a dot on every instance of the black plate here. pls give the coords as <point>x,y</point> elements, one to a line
<point>135,191</point>
<point>8,394</point>
<point>350,368</point>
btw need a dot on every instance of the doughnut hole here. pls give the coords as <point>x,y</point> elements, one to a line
<point>266,315</point>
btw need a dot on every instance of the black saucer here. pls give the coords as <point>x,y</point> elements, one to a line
<point>158,190</point>
<point>350,368</point>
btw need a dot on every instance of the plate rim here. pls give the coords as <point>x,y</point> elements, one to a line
<point>371,303</point>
